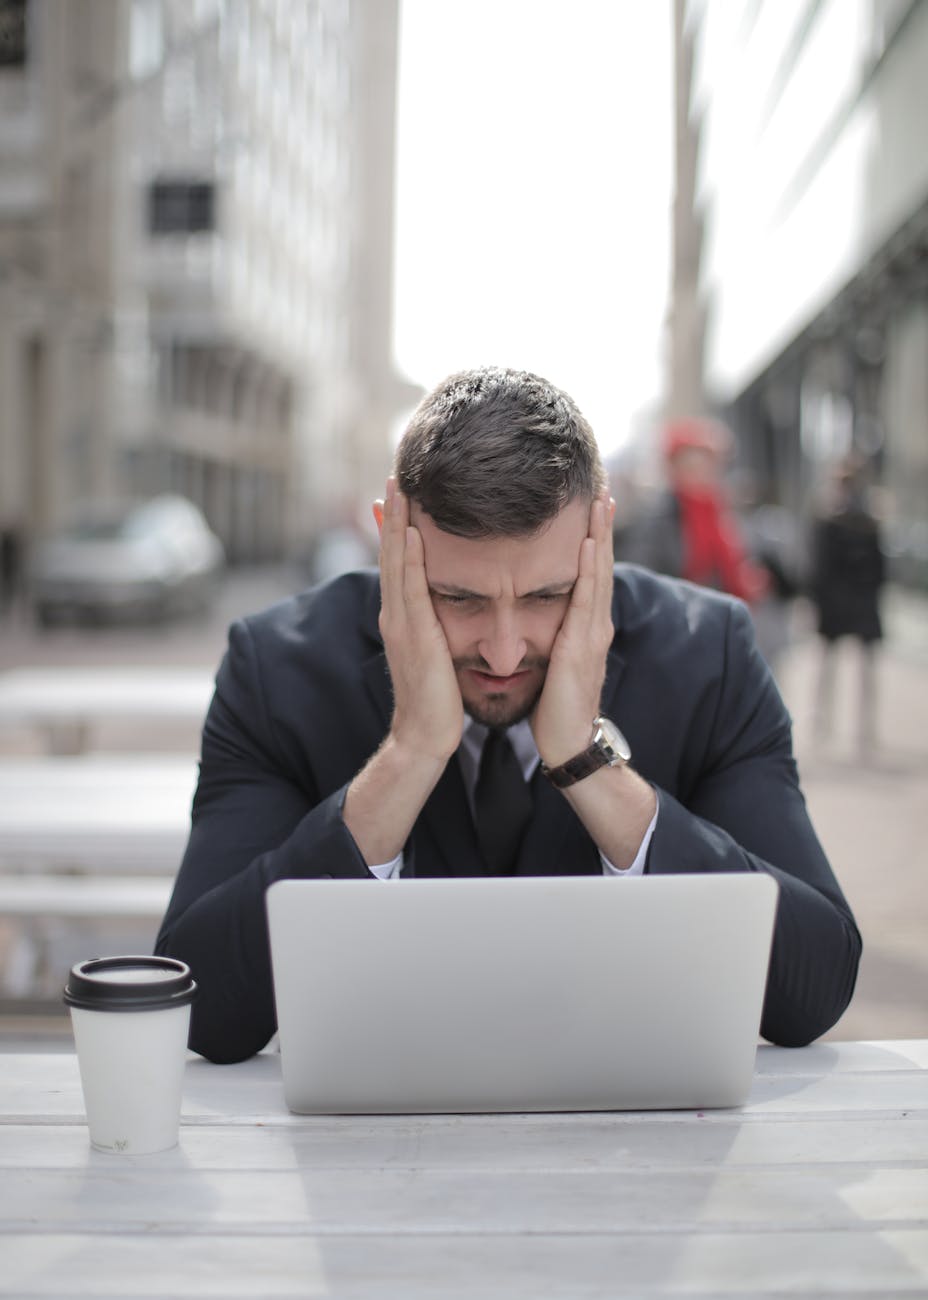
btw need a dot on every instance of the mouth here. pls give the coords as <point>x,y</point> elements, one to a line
<point>495,685</point>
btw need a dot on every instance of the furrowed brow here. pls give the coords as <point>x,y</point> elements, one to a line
<point>449,589</point>
<point>552,589</point>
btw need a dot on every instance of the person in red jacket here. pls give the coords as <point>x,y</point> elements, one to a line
<point>713,552</point>
<point>691,532</point>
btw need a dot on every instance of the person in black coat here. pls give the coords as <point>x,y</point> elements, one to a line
<point>847,574</point>
<point>349,730</point>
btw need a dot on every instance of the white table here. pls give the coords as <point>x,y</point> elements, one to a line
<point>65,703</point>
<point>817,1187</point>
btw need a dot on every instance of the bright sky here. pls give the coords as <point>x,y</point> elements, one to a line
<point>534,189</point>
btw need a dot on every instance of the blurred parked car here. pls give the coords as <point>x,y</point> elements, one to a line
<point>143,560</point>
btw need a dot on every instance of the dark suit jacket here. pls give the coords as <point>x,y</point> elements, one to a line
<point>303,699</point>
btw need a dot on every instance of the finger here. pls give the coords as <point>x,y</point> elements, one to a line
<point>602,509</point>
<point>415,582</point>
<point>582,597</point>
<point>589,560</point>
<point>392,550</point>
<point>598,546</point>
<point>601,514</point>
<point>591,602</point>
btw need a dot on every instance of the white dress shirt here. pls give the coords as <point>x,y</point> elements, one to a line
<point>523,744</point>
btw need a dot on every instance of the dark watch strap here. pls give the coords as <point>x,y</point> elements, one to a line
<point>576,768</point>
<point>609,748</point>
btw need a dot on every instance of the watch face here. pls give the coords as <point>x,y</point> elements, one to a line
<point>610,735</point>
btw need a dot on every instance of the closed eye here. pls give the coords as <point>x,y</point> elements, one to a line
<point>456,599</point>
<point>546,597</point>
<point>473,600</point>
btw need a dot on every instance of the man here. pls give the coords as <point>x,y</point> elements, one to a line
<point>346,736</point>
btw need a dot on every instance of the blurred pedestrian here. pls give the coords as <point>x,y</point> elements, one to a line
<point>848,571</point>
<point>10,566</point>
<point>777,544</point>
<point>690,530</point>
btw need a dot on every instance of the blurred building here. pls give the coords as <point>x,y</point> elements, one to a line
<point>196,221</point>
<point>685,393</point>
<point>812,186</point>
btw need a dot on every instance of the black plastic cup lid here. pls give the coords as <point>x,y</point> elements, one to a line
<point>130,984</point>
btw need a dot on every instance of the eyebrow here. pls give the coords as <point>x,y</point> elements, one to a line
<point>551,589</point>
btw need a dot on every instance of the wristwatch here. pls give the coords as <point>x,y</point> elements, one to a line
<point>608,749</point>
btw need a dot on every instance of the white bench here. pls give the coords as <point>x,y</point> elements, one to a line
<point>48,914</point>
<point>66,703</point>
<point>96,813</point>
<point>118,898</point>
<point>89,847</point>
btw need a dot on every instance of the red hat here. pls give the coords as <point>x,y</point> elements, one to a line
<point>706,435</point>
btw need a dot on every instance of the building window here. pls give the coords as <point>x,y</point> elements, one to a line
<point>181,207</point>
<point>13,33</point>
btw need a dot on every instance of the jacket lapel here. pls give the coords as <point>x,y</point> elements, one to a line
<point>556,843</point>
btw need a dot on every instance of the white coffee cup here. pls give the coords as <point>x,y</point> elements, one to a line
<point>131,1017</point>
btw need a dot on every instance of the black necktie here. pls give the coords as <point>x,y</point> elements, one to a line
<point>502,804</point>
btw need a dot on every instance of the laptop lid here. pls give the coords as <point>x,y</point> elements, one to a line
<point>519,994</point>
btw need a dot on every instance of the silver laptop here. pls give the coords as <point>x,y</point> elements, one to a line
<point>519,994</point>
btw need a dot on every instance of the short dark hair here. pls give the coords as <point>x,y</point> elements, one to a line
<point>494,452</point>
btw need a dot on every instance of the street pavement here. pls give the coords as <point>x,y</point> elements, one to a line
<point>870,809</point>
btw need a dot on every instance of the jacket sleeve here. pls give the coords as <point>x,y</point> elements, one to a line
<point>746,812</point>
<point>246,800</point>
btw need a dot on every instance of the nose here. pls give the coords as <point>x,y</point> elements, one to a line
<point>503,647</point>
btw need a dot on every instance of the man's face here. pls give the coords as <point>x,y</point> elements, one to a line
<point>501,602</point>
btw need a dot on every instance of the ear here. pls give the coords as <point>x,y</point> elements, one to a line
<point>377,508</point>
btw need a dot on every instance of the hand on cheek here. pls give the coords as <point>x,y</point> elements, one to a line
<point>562,722</point>
<point>428,715</point>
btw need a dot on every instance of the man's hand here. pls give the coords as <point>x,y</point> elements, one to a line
<point>614,804</point>
<point>563,718</point>
<point>428,714</point>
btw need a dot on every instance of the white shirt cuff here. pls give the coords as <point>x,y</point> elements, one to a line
<point>387,870</point>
